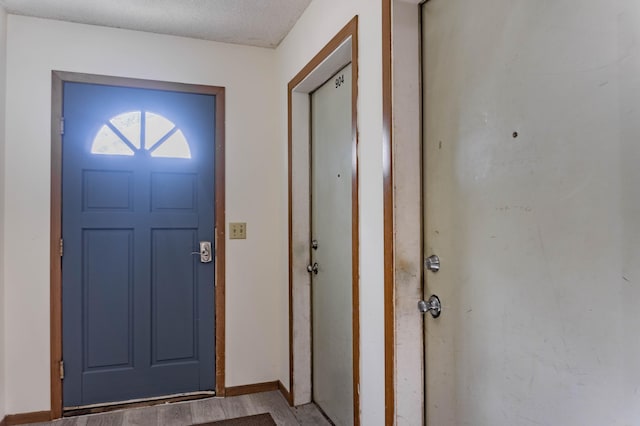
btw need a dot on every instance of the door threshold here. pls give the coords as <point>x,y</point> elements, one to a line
<point>135,403</point>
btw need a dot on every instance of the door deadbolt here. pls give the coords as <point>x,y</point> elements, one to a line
<point>433,306</point>
<point>432,263</point>
<point>314,244</point>
<point>205,252</point>
<point>313,268</point>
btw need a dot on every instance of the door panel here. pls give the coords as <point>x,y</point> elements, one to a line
<point>138,307</point>
<point>107,190</point>
<point>174,307</point>
<point>523,112</point>
<point>331,193</point>
<point>107,288</point>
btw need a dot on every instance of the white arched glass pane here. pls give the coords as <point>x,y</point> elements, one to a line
<point>129,125</point>
<point>107,142</point>
<point>162,137</point>
<point>156,126</point>
<point>175,146</point>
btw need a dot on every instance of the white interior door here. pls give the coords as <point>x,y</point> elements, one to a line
<point>331,225</point>
<point>531,189</point>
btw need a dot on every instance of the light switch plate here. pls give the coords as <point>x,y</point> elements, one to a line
<point>237,230</point>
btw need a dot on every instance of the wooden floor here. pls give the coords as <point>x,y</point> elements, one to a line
<point>203,410</point>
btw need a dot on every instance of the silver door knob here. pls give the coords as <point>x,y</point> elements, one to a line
<point>433,306</point>
<point>432,263</point>
<point>313,268</point>
<point>205,252</point>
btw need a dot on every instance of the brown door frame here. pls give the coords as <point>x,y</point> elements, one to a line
<point>388,230</point>
<point>58,78</point>
<point>349,31</point>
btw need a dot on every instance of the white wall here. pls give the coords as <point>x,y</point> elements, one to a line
<point>256,268</point>
<point>320,22</point>
<point>3,61</point>
<point>407,197</point>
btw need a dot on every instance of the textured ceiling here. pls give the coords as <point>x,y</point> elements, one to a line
<point>261,23</point>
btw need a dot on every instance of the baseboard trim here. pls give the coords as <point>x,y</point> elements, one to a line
<point>287,395</point>
<point>252,388</point>
<point>23,418</point>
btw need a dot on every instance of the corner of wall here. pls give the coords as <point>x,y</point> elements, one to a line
<point>318,24</point>
<point>3,63</point>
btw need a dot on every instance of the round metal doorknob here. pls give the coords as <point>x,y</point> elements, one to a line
<point>313,268</point>
<point>433,306</point>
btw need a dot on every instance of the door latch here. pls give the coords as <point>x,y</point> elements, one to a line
<point>205,252</point>
<point>433,306</point>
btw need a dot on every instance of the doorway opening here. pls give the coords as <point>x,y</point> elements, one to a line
<point>334,57</point>
<point>137,240</point>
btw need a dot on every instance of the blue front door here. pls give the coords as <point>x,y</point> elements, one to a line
<point>137,200</point>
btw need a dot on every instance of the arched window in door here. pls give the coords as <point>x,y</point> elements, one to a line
<point>137,131</point>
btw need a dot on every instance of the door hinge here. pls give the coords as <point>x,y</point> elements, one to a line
<point>61,370</point>
<point>61,247</point>
<point>62,125</point>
